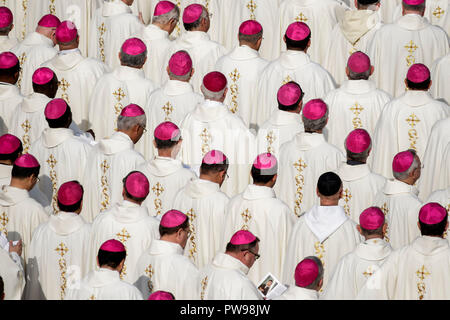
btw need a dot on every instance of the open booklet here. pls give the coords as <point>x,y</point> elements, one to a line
<point>270,287</point>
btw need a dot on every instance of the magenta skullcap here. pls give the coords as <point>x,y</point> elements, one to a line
<point>215,81</point>
<point>306,272</point>
<point>66,32</point>
<point>418,73</point>
<point>8,60</point>
<point>214,157</point>
<point>180,63</point>
<point>265,161</point>
<point>132,110</point>
<point>298,31</point>
<point>250,27</point>
<point>55,109</point>
<point>173,218</point>
<point>9,143</point>
<point>161,295</point>
<point>242,237</point>
<point>314,109</point>
<point>359,62</point>
<point>167,131</point>
<point>432,213</point>
<point>113,246</point>
<point>137,185</point>
<point>26,161</point>
<point>133,46</point>
<point>163,7</point>
<point>371,219</point>
<point>402,161</point>
<point>6,17</point>
<point>42,76</point>
<point>289,94</point>
<point>358,141</point>
<point>70,193</point>
<point>413,2</point>
<point>192,13</point>
<point>49,21</point>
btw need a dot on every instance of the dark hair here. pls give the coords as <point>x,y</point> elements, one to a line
<point>250,38</point>
<point>366,232</point>
<point>329,184</point>
<point>23,173</point>
<point>241,247</point>
<point>165,144</point>
<point>110,259</point>
<point>299,45</point>
<point>9,72</point>
<point>4,31</point>
<point>295,105</point>
<point>193,25</point>
<point>213,168</point>
<point>418,86</point>
<point>73,207</point>
<point>410,7</point>
<point>12,156</point>
<point>127,194</point>
<point>49,89</point>
<point>61,122</point>
<point>436,229</point>
<point>263,175</point>
<point>163,230</point>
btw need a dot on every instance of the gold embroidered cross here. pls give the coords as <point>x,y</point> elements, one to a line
<point>385,209</point>
<point>422,273</point>
<point>168,109</point>
<point>52,161</point>
<point>123,235</point>
<point>51,7</point>
<point>301,18</point>
<point>4,221</point>
<point>102,29</point>
<point>26,126</point>
<point>438,12</point>
<point>235,75</point>
<point>319,251</point>
<point>191,215</point>
<point>413,120</point>
<point>149,271</point>
<point>119,94</point>
<point>104,166</point>
<point>246,215</point>
<point>63,84</point>
<point>287,79</point>
<point>347,195</point>
<point>252,7</point>
<point>205,136</point>
<point>92,297</point>
<point>368,272</point>
<point>270,140</point>
<point>300,165</point>
<point>158,189</point>
<point>411,47</point>
<point>61,249</point>
<point>356,109</point>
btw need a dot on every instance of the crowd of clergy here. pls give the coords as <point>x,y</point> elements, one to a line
<point>186,150</point>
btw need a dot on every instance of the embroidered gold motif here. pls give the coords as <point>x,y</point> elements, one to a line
<point>319,251</point>
<point>385,210</point>
<point>412,133</point>
<point>357,109</point>
<point>119,95</point>
<point>104,185</point>
<point>421,274</point>
<point>438,12</point>
<point>149,272</point>
<point>246,216</point>
<point>22,59</point>
<point>301,18</point>
<point>168,109</point>
<point>270,140</point>
<point>252,7</point>
<point>123,236</point>
<point>352,51</point>
<point>300,165</point>
<point>62,249</point>
<point>206,138</point>
<point>92,297</point>
<point>448,210</point>
<point>411,47</point>
<point>52,7</point>
<point>158,189</point>
<point>64,85</point>
<point>204,285</point>
<point>369,272</point>
<point>26,138</point>
<point>287,79</point>
<point>207,4</point>
<point>101,42</point>
<point>346,195</point>
<point>51,161</point>
<point>4,222</point>
<point>235,75</point>
<point>177,28</point>
<point>191,214</point>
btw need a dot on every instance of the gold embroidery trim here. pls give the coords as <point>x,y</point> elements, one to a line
<point>26,138</point>
<point>347,195</point>
<point>62,250</point>
<point>52,7</point>
<point>412,133</point>
<point>4,222</point>
<point>206,138</point>
<point>119,95</point>
<point>22,59</point>
<point>300,165</point>
<point>438,12</point>
<point>204,284</point>
<point>191,214</point>
<point>24,24</point>
<point>286,80</point>
<point>421,274</point>
<point>54,178</point>
<point>246,216</point>
<point>411,47</point>
<point>369,272</point>
<point>149,272</point>
<point>168,109</point>
<point>234,76</point>
<point>64,85</point>
<point>385,210</point>
<point>158,189</point>
<point>301,18</point>
<point>123,236</point>
<point>178,28</point>
<point>104,185</point>
<point>101,42</point>
<point>357,109</point>
<point>252,7</point>
<point>270,140</point>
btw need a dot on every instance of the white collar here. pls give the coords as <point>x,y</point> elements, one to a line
<point>323,221</point>
<point>292,59</point>
<point>69,51</point>
<point>176,88</point>
<point>129,212</point>
<point>114,8</point>
<point>199,188</point>
<point>124,73</point>
<point>225,261</point>
<point>65,223</point>
<point>153,32</point>
<point>295,293</point>
<point>308,141</point>
<point>373,249</point>
<point>210,111</point>
<point>254,192</point>
<point>163,166</point>
<point>102,277</point>
<point>416,98</point>
<point>10,196</point>
<point>118,142</point>
<point>284,118</point>
<point>412,22</point>
<point>394,186</point>
<point>352,173</point>
<point>162,247</point>
<point>52,137</point>
<point>430,246</point>
<point>34,102</point>
<point>243,53</point>
<point>358,86</point>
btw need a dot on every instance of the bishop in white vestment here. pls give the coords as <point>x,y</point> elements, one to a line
<point>7,38</point>
<point>11,269</point>
<point>439,70</point>
<point>441,196</point>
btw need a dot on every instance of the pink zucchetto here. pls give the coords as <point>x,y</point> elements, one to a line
<point>26,161</point>
<point>289,94</point>
<point>215,81</point>
<point>371,219</point>
<point>402,161</point>
<point>358,141</point>
<point>163,7</point>
<point>6,17</point>
<point>180,63</point>
<point>49,21</point>
<point>9,143</point>
<point>66,32</point>
<point>42,76</point>
<point>359,62</point>
<point>137,185</point>
<point>250,27</point>
<point>242,237</point>
<point>432,213</point>
<point>112,246</point>
<point>133,47</point>
<point>167,131</point>
<point>418,73</point>
<point>161,295</point>
<point>132,110</point>
<point>192,13</point>
<point>314,109</point>
<point>8,60</point>
<point>413,2</point>
<point>70,193</point>
<point>214,157</point>
<point>306,273</point>
<point>55,109</point>
<point>173,218</point>
<point>265,161</point>
<point>298,31</point>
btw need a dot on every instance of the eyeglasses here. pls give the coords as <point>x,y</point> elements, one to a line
<point>257,256</point>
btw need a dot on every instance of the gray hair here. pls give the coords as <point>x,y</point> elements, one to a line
<point>319,277</point>
<point>315,125</point>
<point>358,76</point>
<point>250,38</point>
<point>418,8</point>
<point>126,123</point>
<point>215,96</point>
<point>165,18</point>
<point>136,61</point>
<point>184,78</point>
<point>405,174</point>
<point>196,24</point>
<point>361,157</point>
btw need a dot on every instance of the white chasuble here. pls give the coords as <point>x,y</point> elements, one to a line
<point>405,123</point>
<point>418,271</point>
<point>300,164</point>
<point>204,53</point>
<point>130,224</point>
<point>103,284</point>
<point>77,77</point>
<point>439,71</point>
<point>356,104</point>
<point>7,43</point>
<point>400,205</point>
<point>225,278</point>
<point>58,256</point>
<point>205,205</point>
<point>242,67</point>
<point>20,215</point>
<point>355,269</point>
<point>325,232</point>
<point>437,12</point>
<point>281,127</point>
<point>23,14</point>
<point>441,196</point>
<point>164,267</point>
<point>320,16</point>
<point>258,210</point>
<point>395,47</point>
<point>63,158</point>
<point>360,186</point>
<point>166,177</point>
<point>110,161</point>
<point>11,271</point>
<point>211,126</point>
<point>298,293</point>
<point>10,98</point>
<point>296,66</point>
<point>172,102</point>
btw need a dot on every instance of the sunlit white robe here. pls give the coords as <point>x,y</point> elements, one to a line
<point>10,98</point>
<point>7,43</point>
<point>439,70</point>
<point>441,196</point>
<point>11,271</point>
<point>298,293</point>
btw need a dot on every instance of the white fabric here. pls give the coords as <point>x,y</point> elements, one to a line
<point>11,271</point>
<point>436,11</point>
<point>10,98</point>
<point>164,267</point>
<point>296,186</point>
<point>297,293</point>
<point>439,70</point>
<point>22,13</point>
<point>394,133</point>
<point>387,9</point>
<point>441,196</point>
<point>7,43</point>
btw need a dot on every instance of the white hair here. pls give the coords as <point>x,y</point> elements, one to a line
<point>215,96</point>
<point>405,174</point>
<point>165,18</point>
<point>126,123</point>
<point>315,125</point>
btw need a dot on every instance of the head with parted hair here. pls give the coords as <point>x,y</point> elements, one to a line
<point>173,16</point>
<point>305,272</point>
<point>412,173</point>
